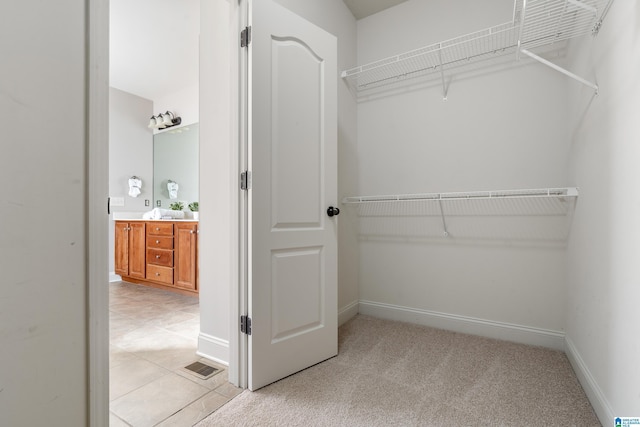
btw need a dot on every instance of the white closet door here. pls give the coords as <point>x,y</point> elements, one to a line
<point>292,158</point>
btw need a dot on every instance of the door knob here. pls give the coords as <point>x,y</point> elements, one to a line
<point>333,211</point>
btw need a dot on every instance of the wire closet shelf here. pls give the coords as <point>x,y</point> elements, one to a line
<point>551,193</point>
<point>536,23</point>
<point>552,207</point>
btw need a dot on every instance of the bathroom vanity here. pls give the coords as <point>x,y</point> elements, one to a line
<point>158,253</point>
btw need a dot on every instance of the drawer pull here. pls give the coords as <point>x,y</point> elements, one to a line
<point>157,256</point>
<point>157,241</point>
<point>157,274</point>
<point>157,228</point>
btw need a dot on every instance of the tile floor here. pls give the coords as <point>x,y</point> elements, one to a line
<point>153,336</point>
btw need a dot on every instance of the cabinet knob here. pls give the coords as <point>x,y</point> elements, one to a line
<point>157,274</point>
<point>157,228</point>
<point>157,256</point>
<point>191,231</point>
<point>157,241</point>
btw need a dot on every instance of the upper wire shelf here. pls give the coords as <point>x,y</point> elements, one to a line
<point>535,23</point>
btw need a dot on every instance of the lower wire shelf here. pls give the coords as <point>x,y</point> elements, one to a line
<point>524,215</point>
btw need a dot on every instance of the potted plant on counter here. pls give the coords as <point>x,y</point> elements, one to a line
<point>193,207</point>
<point>176,206</point>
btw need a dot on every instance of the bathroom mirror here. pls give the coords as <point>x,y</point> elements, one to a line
<point>175,158</point>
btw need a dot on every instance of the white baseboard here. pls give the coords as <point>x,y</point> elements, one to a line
<point>468,325</point>
<point>591,388</point>
<point>346,313</point>
<point>113,277</point>
<point>213,348</point>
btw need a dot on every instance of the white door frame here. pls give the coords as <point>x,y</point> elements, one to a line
<point>97,130</point>
<point>231,15</point>
<point>239,343</point>
<point>97,175</point>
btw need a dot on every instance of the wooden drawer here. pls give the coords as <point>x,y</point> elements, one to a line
<point>160,257</point>
<point>160,274</point>
<point>160,229</point>
<point>159,242</point>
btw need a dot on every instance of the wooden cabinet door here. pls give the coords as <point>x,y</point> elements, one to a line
<point>137,250</point>
<point>185,257</point>
<point>122,248</point>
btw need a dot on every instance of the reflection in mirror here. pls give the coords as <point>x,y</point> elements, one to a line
<point>175,166</point>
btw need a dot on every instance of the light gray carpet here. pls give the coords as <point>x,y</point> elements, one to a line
<point>397,374</point>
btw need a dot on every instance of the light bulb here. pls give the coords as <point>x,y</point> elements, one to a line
<point>167,119</point>
<point>159,122</point>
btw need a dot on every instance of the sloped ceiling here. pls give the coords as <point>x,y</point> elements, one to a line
<point>363,8</point>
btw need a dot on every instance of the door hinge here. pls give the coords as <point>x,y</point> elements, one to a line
<point>245,180</point>
<point>245,37</point>
<point>245,325</point>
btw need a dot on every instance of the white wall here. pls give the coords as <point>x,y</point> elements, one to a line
<point>183,103</point>
<point>603,292</point>
<point>503,130</point>
<point>130,148</point>
<point>218,239</point>
<point>43,234</point>
<point>334,17</point>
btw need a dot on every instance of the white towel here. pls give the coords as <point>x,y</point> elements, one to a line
<point>159,213</point>
<point>172,188</point>
<point>135,184</point>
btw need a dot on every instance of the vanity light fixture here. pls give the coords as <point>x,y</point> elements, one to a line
<point>164,120</point>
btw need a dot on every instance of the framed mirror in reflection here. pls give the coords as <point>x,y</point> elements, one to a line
<point>175,166</point>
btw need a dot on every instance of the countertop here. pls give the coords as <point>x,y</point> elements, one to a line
<point>137,216</point>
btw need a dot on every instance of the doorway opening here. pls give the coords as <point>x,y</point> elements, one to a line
<point>155,335</point>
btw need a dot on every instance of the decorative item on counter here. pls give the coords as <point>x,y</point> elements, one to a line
<point>193,207</point>
<point>176,206</point>
<point>172,188</point>
<point>135,186</point>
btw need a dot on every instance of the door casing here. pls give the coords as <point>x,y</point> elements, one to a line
<point>97,125</point>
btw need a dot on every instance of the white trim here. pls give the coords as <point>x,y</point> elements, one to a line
<point>213,348</point>
<point>239,369</point>
<point>593,391</point>
<point>97,189</point>
<point>468,325</point>
<point>113,277</point>
<point>347,312</point>
<point>237,340</point>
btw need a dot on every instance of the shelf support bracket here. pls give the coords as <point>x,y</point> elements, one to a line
<point>560,69</point>
<point>522,15</point>
<point>444,223</point>
<point>444,87</point>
